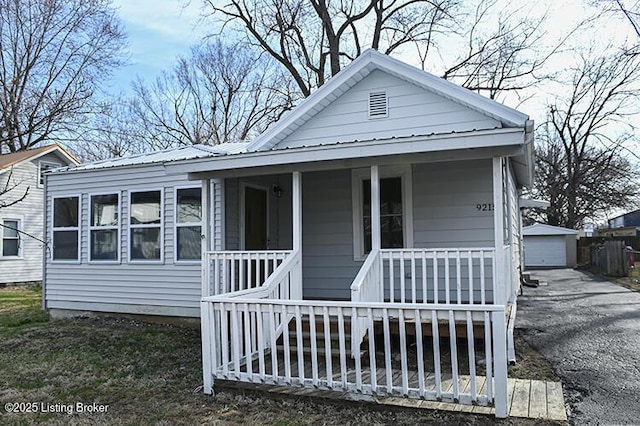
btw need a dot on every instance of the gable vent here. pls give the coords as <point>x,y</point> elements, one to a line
<point>378,107</point>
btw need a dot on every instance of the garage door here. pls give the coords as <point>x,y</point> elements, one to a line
<point>545,250</point>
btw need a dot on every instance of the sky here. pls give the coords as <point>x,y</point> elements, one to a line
<point>158,31</point>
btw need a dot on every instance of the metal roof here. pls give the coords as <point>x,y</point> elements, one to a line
<point>167,155</point>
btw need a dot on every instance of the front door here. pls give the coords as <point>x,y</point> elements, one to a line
<point>255,218</point>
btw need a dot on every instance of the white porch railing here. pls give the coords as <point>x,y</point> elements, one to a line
<point>244,344</point>
<point>230,271</point>
<point>447,275</point>
<point>267,334</point>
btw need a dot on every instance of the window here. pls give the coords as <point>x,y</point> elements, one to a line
<point>396,223</point>
<point>103,228</point>
<point>188,224</point>
<point>66,229</point>
<point>10,238</point>
<point>391,229</point>
<point>145,225</point>
<point>43,166</point>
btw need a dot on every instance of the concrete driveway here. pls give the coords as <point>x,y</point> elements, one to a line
<point>589,329</point>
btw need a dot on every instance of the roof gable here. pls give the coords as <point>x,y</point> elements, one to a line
<point>15,158</point>
<point>364,66</point>
<point>401,109</point>
<point>542,229</point>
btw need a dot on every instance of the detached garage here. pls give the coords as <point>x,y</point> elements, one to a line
<point>547,246</point>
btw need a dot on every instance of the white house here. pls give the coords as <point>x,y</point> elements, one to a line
<point>338,247</point>
<point>22,210</point>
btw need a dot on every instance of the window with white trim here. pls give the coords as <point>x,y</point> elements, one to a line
<point>104,227</point>
<point>391,216</point>
<point>43,166</point>
<point>10,238</point>
<point>396,223</point>
<point>66,228</point>
<point>188,224</point>
<point>145,225</point>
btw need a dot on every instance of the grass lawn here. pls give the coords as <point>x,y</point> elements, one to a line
<point>149,374</point>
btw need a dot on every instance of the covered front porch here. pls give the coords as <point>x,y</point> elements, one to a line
<point>421,320</point>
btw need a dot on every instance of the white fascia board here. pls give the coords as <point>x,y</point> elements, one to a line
<point>378,148</point>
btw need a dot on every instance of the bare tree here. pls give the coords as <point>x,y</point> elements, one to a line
<point>314,39</point>
<point>11,191</point>
<point>53,55</point>
<point>112,131</point>
<point>585,164</point>
<point>220,93</point>
<point>503,49</point>
<point>626,9</point>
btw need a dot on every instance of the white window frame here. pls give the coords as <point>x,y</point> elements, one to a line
<point>117,227</point>
<point>40,177</point>
<point>19,228</point>
<point>70,228</point>
<point>160,225</point>
<point>357,178</point>
<point>177,225</point>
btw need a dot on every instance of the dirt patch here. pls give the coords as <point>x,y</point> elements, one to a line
<point>628,282</point>
<point>530,364</point>
<point>151,374</point>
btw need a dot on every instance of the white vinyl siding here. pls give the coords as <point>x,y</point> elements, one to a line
<point>28,267</point>
<point>154,288</point>
<point>446,196</point>
<point>410,111</point>
<point>444,200</point>
<point>327,235</point>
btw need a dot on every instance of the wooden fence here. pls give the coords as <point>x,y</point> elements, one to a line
<point>612,258</point>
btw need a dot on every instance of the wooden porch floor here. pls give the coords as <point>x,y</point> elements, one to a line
<point>533,399</point>
<point>526,398</point>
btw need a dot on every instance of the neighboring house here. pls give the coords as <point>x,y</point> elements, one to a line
<point>547,246</point>
<point>626,220</point>
<point>377,217</point>
<point>626,225</point>
<point>21,226</point>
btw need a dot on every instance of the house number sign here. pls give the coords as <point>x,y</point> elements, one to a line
<point>484,207</point>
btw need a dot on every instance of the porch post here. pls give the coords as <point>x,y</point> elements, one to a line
<point>296,201</point>
<point>375,209</point>
<point>499,288</point>
<point>205,319</point>
<point>206,236</point>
